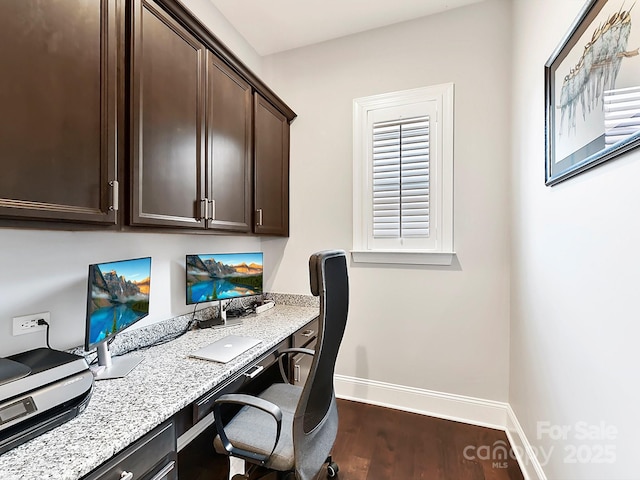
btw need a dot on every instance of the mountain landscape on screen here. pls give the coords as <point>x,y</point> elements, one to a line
<point>223,276</point>
<point>118,295</point>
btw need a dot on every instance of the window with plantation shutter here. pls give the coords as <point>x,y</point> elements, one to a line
<point>403,177</point>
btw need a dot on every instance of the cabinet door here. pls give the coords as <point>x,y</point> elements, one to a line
<point>271,180</point>
<point>58,121</point>
<point>228,148</point>
<point>167,121</point>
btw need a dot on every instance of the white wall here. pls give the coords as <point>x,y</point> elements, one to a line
<point>47,271</point>
<point>575,310</point>
<point>211,17</point>
<point>443,329</point>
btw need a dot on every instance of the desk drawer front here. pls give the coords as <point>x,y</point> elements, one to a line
<point>306,335</point>
<point>202,407</point>
<point>153,457</point>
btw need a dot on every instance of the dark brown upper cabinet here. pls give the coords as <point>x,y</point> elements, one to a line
<point>271,163</point>
<point>229,165</point>
<point>59,99</point>
<point>167,121</point>
<point>191,130</point>
<point>136,94</point>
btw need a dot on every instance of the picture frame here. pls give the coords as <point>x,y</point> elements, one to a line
<point>592,90</point>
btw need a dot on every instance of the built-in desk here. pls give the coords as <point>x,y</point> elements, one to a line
<point>165,385</point>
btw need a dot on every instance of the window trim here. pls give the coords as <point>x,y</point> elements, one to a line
<point>443,252</point>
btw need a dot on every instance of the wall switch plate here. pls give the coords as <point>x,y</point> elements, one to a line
<point>29,323</point>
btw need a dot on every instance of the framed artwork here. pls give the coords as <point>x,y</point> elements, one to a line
<point>592,90</point>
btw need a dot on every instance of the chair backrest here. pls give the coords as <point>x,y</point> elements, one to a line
<point>315,424</point>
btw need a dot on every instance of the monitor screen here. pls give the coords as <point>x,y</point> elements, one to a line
<point>223,276</point>
<point>118,296</point>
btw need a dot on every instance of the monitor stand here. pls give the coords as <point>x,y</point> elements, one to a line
<point>117,367</point>
<point>221,321</point>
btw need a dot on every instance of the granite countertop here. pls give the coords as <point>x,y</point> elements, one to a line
<point>123,410</point>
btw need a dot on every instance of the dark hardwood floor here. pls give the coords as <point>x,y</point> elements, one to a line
<point>376,443</point>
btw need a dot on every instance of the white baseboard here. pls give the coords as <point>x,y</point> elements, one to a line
<point>529,464</point>
<point>460,408</point>
<point>485,413</point>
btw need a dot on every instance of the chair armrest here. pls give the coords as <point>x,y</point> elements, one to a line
<point>247,401</point>
<point>306,351</point>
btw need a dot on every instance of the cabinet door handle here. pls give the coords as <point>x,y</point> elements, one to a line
<point>259,220</point>
<point>212,210</point>
<point>308,333</point>
<point>115,197</point>
<point>126,476</point>
<point>296,373</point>
<point>203,210</point>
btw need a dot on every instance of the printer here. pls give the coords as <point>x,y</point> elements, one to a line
<point>39,390</point>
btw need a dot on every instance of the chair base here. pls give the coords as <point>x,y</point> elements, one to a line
<point>251,470</point>
<point>332,468</point>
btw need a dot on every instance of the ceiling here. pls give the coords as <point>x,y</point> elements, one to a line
<point>272,26</point>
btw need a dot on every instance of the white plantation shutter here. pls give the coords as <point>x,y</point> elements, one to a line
<point>401,179</point>
<point>621,114</point>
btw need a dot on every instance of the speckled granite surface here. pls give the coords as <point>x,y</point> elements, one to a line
<point>123,410</point>
<point>294,300</point>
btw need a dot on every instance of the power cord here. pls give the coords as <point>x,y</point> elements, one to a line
<point>42,321</point>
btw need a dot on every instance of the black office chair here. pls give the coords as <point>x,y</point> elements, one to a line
<point>296,434</point>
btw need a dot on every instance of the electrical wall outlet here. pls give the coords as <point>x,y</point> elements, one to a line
<point>29,323</point>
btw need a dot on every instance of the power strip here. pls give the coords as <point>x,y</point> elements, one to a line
<point>265,306</point>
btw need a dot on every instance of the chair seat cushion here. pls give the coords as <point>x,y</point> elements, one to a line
<point>254,430</point>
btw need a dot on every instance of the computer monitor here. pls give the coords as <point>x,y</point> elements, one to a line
<point>223,276</point>
<point>117,297</point>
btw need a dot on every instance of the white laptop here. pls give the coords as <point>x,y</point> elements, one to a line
<point>226,349</point>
